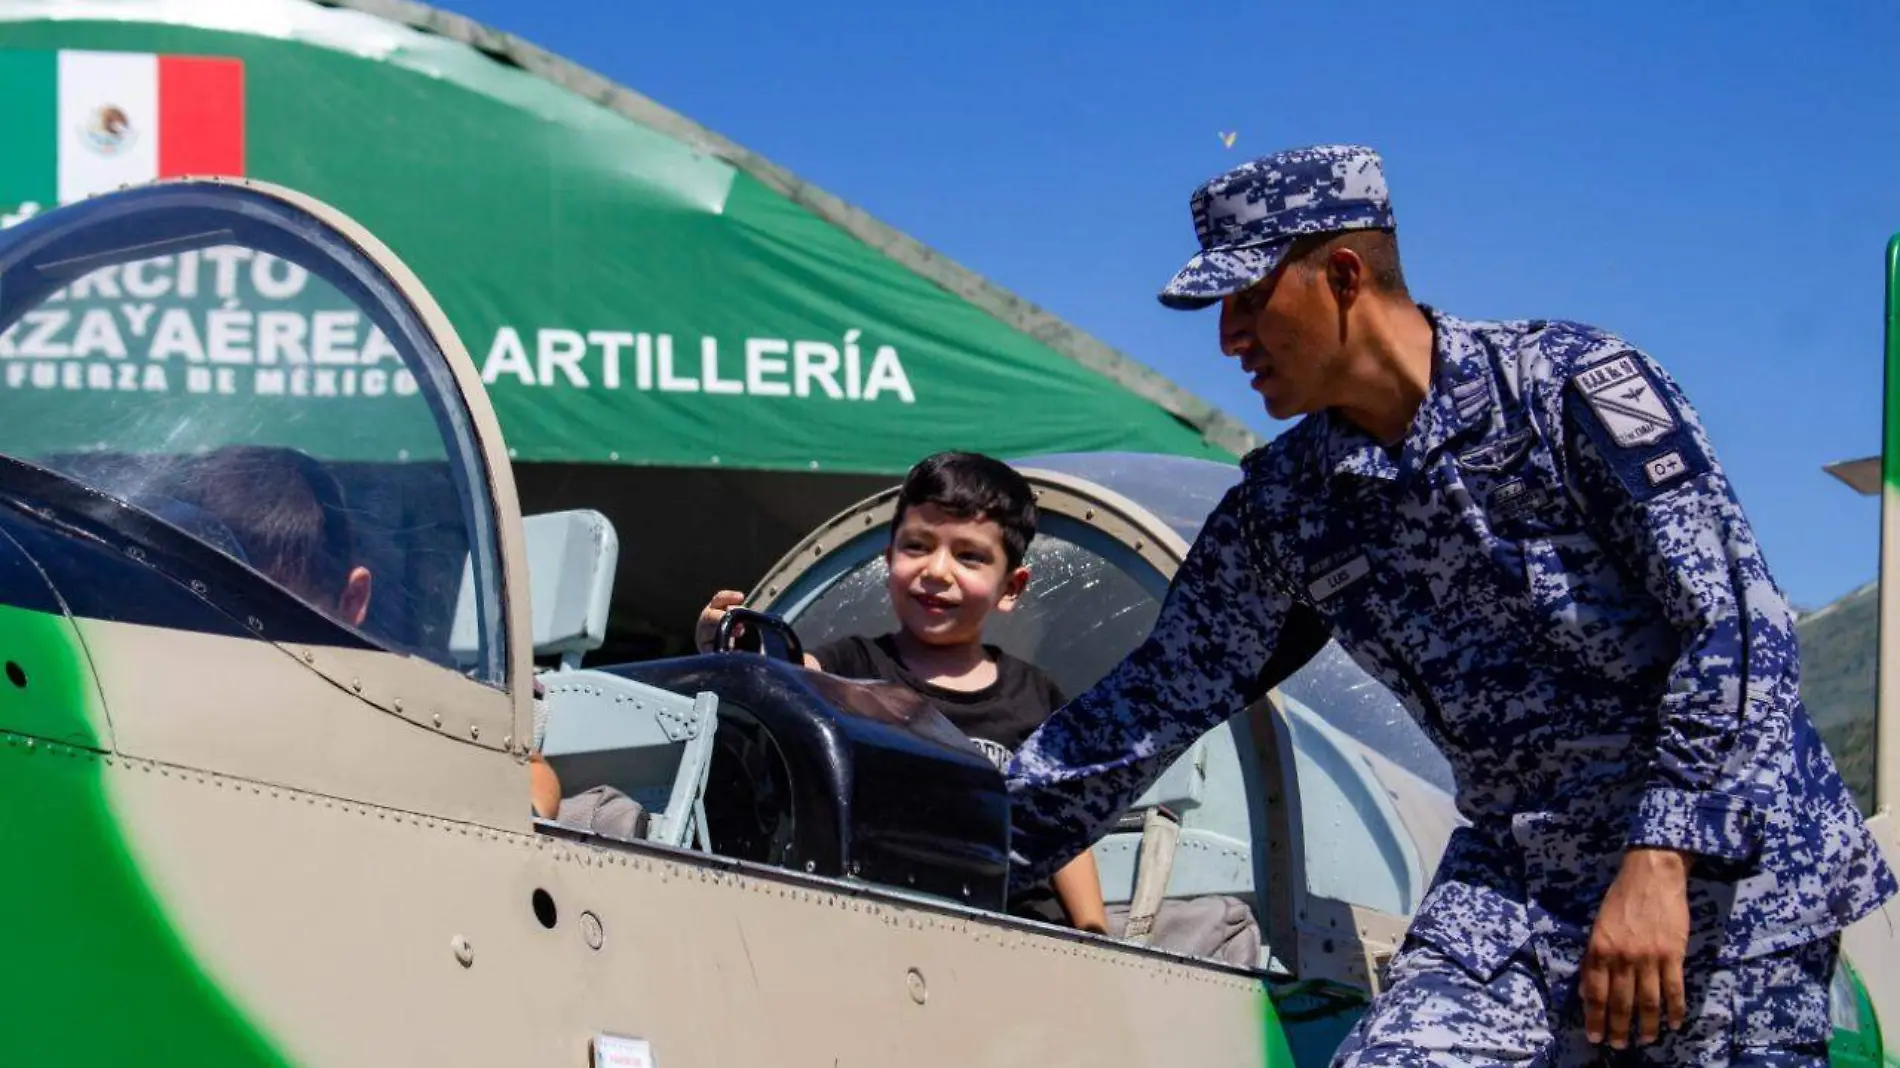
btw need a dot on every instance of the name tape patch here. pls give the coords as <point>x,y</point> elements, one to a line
<point>1339,578</point>
<point>1512,499</point>
<point>1626,403</point>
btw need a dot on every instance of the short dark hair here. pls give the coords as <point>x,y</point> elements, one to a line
<point>1379,249</point>
<point>285,509</point>
<point>970,485</point>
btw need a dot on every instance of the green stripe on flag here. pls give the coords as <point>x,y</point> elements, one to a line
<point>29,120</point>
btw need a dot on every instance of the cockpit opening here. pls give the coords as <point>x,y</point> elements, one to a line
<point>746,757</point>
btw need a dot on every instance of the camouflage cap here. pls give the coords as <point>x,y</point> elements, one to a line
<point>1246,218</point>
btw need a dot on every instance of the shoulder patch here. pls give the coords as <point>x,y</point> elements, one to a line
<point>1625,401</point>
<point>1635,426</point>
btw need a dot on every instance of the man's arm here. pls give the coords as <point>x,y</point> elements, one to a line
<point>1667,510</point>
<point>1646,476</point>
<point>1200,665</point>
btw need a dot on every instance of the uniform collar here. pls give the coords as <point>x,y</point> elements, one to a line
<point>1353,454</point>
<point>1457,399</point>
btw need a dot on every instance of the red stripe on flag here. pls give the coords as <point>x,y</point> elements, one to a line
<point>200,116</point>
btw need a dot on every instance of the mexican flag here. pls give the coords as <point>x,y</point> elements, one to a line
<point>79,123</point>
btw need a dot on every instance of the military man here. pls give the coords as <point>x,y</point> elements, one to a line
<point>1521,529</point>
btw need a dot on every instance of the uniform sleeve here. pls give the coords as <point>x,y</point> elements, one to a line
<point>1643,470</point>
<point>1200,664</point>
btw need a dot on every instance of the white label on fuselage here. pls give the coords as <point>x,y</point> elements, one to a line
<point>619,1051</point>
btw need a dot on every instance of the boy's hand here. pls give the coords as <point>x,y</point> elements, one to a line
<point>708,626</point>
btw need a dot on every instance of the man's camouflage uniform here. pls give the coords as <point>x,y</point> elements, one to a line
<point>1553,574</point>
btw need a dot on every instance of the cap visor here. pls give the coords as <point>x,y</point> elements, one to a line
<point>1213,274</point>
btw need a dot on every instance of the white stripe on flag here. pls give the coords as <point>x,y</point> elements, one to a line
<point>108,121</point>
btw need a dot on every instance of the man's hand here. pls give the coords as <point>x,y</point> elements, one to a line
<point>1636,950</point>
<point>707,628</point>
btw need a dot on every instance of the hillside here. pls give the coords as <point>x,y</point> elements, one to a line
<point>1838,661</point>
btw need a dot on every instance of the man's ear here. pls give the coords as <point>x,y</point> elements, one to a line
<point>1013,588</point>
<point>353,605</point>
<point>1345,275</point>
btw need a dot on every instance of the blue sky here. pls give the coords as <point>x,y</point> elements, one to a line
<point>1714,181</point>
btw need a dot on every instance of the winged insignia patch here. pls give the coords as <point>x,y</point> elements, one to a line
<point>1626,403</point>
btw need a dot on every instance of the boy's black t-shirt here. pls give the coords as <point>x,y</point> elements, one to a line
<point>999,718</point>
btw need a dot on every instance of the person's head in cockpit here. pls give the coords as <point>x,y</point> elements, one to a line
<point>288,513</point>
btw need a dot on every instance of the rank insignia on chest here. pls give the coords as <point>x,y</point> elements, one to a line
<point>1626,403</point>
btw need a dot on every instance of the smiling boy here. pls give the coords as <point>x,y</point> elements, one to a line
<point>963,524</point>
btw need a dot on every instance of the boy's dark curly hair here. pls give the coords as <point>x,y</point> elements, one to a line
<point>970,485</point>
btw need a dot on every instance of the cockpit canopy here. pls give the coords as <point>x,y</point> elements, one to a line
<point>219,358</point>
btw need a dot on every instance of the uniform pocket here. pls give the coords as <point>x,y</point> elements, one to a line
<point>1569,862</point>
<point>1548,574</point>
<point>1475,926</point>
<point>1780,1001</point>
<point>1568,572</point>
<point>1583,607</point>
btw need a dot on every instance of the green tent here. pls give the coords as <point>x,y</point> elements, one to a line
<point>672,329</point>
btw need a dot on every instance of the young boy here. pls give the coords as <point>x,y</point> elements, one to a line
<point>963,524</point>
